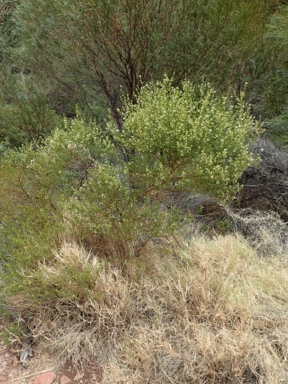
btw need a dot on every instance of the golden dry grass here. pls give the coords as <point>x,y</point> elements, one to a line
<point>197,311</point>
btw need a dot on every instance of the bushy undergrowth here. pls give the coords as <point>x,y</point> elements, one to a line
<point>76,208</point>
<point>74,186</point>
<point>108,190</point>
<point>199,311</point>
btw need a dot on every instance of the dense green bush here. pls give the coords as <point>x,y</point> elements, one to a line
<point>187,139</point>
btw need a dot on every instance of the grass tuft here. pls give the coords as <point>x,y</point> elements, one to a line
<point>200,311</point>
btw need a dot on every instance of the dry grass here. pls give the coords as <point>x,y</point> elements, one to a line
<point>265,231</point>
<point>200,311</point>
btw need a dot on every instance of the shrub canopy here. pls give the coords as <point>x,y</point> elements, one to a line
<point>187,139</point>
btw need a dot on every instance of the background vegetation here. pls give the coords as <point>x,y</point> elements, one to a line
<point>125,128</point>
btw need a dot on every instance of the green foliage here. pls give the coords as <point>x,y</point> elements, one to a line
<point>113,218</point>
<point>27,118</point>
<point>77,187</point>
<point>88,50</point>
<point>56,55</point>
<point>34,180</point>
<point>187,139</point>
<point>276,90</point>
<point>92,47</point>
<point>25,115</point>
<point>278,26</point>
<point>11,333</point>
<point>28,213</point>
<point>73,186</point>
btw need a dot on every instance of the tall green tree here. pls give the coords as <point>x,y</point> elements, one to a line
<point>24,111</point>
<point>275,94</point>
<point>93,51</point>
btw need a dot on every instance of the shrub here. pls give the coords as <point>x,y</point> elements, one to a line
<point>110,217</point>
<point>34,181</point>
<point>76,185</point>
<point>186,139</point>
<point>73,186</point>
